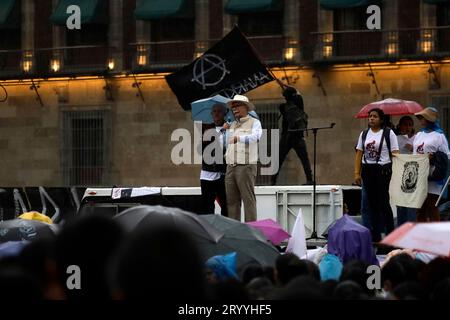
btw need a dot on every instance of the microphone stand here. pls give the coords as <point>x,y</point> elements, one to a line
<point>314,131</point>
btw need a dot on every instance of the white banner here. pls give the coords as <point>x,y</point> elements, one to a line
<point>409,182</point>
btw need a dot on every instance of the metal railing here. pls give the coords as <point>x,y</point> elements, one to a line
<point>58,61</point>
<point>353,45</point>
<point>332,47</point>
<point>174,54</point>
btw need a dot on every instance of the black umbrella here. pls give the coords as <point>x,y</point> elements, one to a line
<point>249,243</point>
<point>21,229</point>
<point>139,216</point>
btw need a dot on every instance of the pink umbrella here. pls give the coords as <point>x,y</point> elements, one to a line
<point>393,107</point>
<point>432,237</point>
<point>272,230</point>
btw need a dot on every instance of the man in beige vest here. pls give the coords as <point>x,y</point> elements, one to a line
<point>242,158</point>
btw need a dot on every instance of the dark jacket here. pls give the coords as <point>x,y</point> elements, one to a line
<point>294,116</point>
<point>212,167</point>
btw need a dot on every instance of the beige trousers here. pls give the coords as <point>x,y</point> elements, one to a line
<point>240,186</point>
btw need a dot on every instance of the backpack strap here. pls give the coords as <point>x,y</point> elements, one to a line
<point>363,139</point>
<point>387,137</point>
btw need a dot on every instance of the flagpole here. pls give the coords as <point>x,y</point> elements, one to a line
<point>442,192</point>
<point>280,83</point>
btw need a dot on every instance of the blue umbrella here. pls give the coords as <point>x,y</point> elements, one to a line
<point>201,109</point>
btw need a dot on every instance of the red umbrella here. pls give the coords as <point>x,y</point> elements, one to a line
<point>430,237</point>
<point>393,107</point>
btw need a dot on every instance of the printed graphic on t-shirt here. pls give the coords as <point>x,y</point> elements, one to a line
<point>410,176</point>
<point>419,149</point>
<point>372,152</point>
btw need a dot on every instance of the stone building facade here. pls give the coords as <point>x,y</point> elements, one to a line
<point>72,127</point>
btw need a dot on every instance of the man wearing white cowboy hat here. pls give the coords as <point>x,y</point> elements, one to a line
<point>242,158</point>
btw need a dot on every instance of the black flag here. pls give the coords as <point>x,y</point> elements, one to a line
<point>228,68</point>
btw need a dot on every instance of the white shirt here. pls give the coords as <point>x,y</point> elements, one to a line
<point>403,140</point>
<point>430,142</point>
<point>372,145</point>
<point>210,175</point>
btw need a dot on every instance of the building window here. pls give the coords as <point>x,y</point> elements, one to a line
<point>85,147</point>
<point>443,20</point>
<point>350,19</point>
<point>266,37</point>
<point>173,29</point>
<point>173,40</point>
<point>268,115</point>
<point>443,14</point>
<point>442,103</point>
<point>250,23</point>
<point>356,43</point>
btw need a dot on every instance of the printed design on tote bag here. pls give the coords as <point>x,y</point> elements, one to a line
<point>410,176</point>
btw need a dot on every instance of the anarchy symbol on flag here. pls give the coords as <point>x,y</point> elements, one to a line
<point>209,70</point>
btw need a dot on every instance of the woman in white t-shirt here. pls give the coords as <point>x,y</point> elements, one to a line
<point>429,140</point>
<point>373,165</point>
<point>405,137</point>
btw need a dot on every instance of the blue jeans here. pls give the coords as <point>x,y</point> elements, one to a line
<point>405,215</point>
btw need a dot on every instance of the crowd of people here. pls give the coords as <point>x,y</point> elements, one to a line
<point>164,264</point>
<point>376,147</point>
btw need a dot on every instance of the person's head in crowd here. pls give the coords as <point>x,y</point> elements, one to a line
<point>300,288</point>
<point>259,288</point>
<point>269,273</point>
<point>376,119</point>
<point>406,126</point>
<point>399,269</point>
<point>441,291</point>
<point>158,262</point>
<point>357,271</point>
<point>435,271</point>
<point>409,290</point>
<point>16,283</point>
<point>328,287</point>
<point>221,268</point>
<point>289,266</point>
<point>427,117</point>
<point>38,258</point>
<point>251,272</point>
<point>283,266</point>
<point>349,290</point>
<point>218,113</point>
<point>228,290</point>
<point>87,243</point>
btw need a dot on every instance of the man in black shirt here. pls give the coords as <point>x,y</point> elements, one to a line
<point>294,121</point>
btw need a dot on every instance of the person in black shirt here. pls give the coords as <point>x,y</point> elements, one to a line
<point>294,121</point>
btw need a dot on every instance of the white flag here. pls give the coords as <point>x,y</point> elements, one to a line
<point>297,242</point>
<point>409,181</point>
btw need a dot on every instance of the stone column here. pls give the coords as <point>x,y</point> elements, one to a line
<point>27,35</point>
<point>143,35</point>
<point>201,26</point>
<point>291,30</point>
<point>228,20</point>
<point>324,43</point>
<point>428,35</point>
<point>389,21</point>
<point>115,38</point>
<point>59,40</point>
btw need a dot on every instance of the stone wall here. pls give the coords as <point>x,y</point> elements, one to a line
<point>30,135</point>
